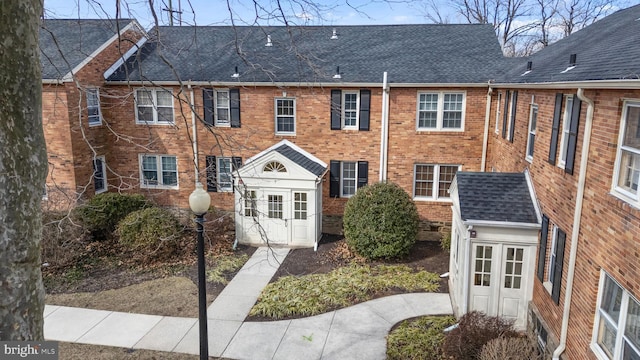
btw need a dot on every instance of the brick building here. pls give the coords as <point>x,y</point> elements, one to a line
<point>411,104</point>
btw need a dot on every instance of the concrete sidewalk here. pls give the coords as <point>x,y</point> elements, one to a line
<point>356,332</point>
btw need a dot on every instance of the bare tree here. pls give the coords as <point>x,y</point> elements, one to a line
<point>23,166</point>
<point>576,14</point>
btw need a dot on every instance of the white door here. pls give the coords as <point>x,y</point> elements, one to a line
<point>483,279</point>
<point>511,302</point>
<point>299,222</point>
<point>275,216</point>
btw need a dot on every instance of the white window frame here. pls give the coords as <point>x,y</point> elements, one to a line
<point>602,318</point>
<point>154,106</point>
<point>343,178</point>
<point>511,110</point>
<point>532,133</point>
<point>277,116</point>
<point>498,113</point>
<point>436,183</point>
<point>98,117</point>
<point>343,110</point>
<point>219,162</point>
<point>159,172</point>
<point>619,191</point>
<point>104,174</point>
<point>566,128</point>
<point>217,107</point>
<point>440,111</point>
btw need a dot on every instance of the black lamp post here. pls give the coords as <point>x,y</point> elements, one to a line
<point>199,202</point>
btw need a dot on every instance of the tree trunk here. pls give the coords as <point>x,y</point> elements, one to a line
<point>23,168</point>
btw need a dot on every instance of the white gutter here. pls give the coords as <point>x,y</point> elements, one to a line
<point>593,84</point>
<point>467,271</point>
<point>53,82</point>
<point>575,232</point>
<point>296,84</point>
<point>384,129</point>
<point>485,139</point>
<point>195,135</point>
<point>501,224</point>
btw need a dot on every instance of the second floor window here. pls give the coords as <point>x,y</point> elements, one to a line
<point>93,107</point>
<point>533,119</point>
<point>627,171</point>
<point>154,106</point>
<point>285,116</point>
<point>440,111</point>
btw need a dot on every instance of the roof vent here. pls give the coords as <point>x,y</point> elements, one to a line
<point>235,74</point>
<point>337,75</point>
<point>572,60</point>
<point>334,36</point>
<point>529,65</point>
<point>269,43</point>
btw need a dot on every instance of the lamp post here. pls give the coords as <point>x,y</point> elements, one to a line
<point>199,202</point>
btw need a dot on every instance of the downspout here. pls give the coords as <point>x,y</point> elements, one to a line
<point>384,131</point>
<point>195,135</point>
<point>485,139</point>
<point>577,215</point>
<point>467,269</point>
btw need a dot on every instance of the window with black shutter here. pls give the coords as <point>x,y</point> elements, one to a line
<point>346,177</point>
<point>350,109</point>
<point>542,247</point>
<point>557,274</point>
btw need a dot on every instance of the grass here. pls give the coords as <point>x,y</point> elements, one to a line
<point>318,293</point>
<point>225,264</point>
<point>418,339</point>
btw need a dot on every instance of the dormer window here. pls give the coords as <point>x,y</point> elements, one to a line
<point>274,166</point>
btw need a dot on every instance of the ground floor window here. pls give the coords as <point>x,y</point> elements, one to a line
<point>433,181</point>
<point>617,331</point>
<point>250,208</point>
<point>159,171</point>
<point>99,174</point>
<point>300,206</point>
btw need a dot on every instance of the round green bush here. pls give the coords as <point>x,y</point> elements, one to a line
<point>380,221</point>
<point>102,212</point>
<point>148,229</point>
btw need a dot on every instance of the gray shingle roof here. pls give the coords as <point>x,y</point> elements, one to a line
<point>300,159</point>
<point>606,50</point>
<point>428,53</point>
<point>65,43</point>
<point>490,196</point>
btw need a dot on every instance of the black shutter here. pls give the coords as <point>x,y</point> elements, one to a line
<point>336,109</point>
<point>542,250</point>
<point>334,178</point>
<point>555,129</point>
<point>363,173</point>
<point>505,114</point>
<point>211,173</point>
<point>514,108</point>
<point>557,275</point>
<point>207,102</point>
<point>573,135</point>
<point>234,107</point>
<point>365,104</point>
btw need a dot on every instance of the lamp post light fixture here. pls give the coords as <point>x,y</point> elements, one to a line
<point>199,202</point>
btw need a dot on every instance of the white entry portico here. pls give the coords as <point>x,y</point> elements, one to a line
<point>493,244</point>
<point>278,197</point>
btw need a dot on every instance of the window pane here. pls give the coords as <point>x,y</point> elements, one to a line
<point>632,329</point>
<point>275,206</point>
<point>428,110</point>
<point>169,163</point>
<point>144,97</point>
<point>424,180</point>
<point>629,173</point>
<point>98,175</point>
<point>165,114</point>
<point>447,173</point>
<point>149,170</point>
<point>632,128</point>
<point>612,299</point>
<point>169,178</point>
<point>164,98</point>
<point>607,337</point>
<point>145,114</point>
<point>452,115</point>
<point>224,174</point>
<point>222,99</point>
<point>285,124</point>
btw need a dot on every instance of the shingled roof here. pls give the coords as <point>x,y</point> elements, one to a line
<point>296,154</point>
<point>66,43</point>
<point>428,53</point>
<point>605,50</point>
<point>501,197</point>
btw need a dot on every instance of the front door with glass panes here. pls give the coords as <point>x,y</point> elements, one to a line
<point>275,216</point>
<point>498,281</point>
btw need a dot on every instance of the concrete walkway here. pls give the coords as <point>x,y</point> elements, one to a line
<point>356,332</point>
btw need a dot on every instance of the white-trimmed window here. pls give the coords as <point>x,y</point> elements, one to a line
<point>94,116</point>
<point>222,107</point>
<point>225,176</point>
<point>616,333</point>
<point>154,106</point>
<point>566,126</point>
<point>533,119</point>
<point>286,116</point>
<point>440,111</point>
<point>349,178</point>
<point>627,171</point>
<point>432,182</point>
<point>158,171</point>
<point>498,112</point>
<point>300,205</point>
<point>99,174</point>
<point>274,207</point>
<point>350,109</point>
<point>250,206</point>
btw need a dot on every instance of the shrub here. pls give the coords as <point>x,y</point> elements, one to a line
<point>474,331</point>
<point>102,212</point>
<point>63,238</point>
<point>148,229</point>
<point>511,348</point>
<point>419,338</point>
<point>380,221</point>
<point>445,242</point>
